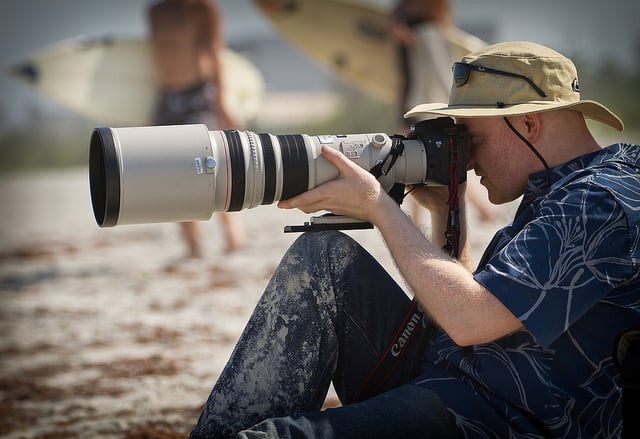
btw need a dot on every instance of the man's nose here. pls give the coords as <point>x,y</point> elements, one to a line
<point>471,163</point>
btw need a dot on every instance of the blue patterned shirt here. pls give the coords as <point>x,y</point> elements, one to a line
<point>568,267</point>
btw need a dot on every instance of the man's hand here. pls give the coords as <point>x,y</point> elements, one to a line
<point>355,192</point>
<point>432,198</point>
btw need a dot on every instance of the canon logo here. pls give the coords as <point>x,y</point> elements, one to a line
<point>397,347</point>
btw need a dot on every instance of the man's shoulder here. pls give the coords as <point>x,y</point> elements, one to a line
<point>623,153</point>
<point>612,173</point>
<point>616,159</point>
<point>618,173</point>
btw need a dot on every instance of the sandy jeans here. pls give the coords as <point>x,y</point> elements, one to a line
<point>328,314</point>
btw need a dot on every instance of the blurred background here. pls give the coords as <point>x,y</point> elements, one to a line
<point>103,333</point>
<point>602,37</point>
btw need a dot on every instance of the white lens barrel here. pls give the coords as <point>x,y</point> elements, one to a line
<point>151,174</point>
<point>185,172</point>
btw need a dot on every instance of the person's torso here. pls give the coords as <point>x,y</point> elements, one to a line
<point>182,45</point>
<point>557,378</point>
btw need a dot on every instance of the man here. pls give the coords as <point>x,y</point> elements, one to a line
<point>419,27</point>
<point>186,37</point>
<point>521,348</point>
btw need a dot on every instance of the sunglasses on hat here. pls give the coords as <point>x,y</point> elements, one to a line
<point>461,72</point>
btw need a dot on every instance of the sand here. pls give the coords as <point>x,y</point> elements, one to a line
<point>103,333</point>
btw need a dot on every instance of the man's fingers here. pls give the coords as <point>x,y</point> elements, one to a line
<point>337,159</point>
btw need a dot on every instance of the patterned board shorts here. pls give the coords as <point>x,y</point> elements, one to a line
<point>187,106</point>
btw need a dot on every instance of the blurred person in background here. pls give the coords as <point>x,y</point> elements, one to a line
<point>186,36</point>
<point>420,28</point>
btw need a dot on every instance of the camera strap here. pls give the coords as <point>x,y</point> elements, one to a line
<point>452,234</point>
<point>397,191</point>
<point>397,149</point>
<point>410,339</point>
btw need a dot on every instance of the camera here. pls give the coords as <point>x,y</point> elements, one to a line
<point>179,173</point>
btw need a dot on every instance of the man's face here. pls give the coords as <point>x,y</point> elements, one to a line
<point>497,156</point>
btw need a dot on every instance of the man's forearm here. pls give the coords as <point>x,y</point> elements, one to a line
<point>468,312</point>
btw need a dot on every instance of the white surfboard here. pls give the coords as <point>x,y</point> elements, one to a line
<point>350,38</point>
<point>111,80</point>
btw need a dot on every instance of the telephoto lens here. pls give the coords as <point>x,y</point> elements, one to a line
<point>179,173</point>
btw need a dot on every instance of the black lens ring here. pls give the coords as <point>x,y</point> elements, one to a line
<point>270,176</point>
<point>104,177</point>
<point>238,174</point>
<point>295,165</point>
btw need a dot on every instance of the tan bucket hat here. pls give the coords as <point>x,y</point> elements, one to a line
<point>515,78</point>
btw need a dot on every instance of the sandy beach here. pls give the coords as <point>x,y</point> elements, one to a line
<point>102,333</point>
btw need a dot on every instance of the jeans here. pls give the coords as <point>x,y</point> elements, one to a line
<point>328,314</point>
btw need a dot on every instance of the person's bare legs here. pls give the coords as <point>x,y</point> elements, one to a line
<point>232,231</point>
<point>191,234</point>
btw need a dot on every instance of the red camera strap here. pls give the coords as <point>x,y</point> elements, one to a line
<point>452,234</point>
<point>408,333</point>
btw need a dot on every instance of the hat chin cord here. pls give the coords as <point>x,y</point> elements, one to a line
<point>533,149</point>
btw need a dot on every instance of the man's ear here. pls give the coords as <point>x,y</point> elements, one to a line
<point>533,127</point>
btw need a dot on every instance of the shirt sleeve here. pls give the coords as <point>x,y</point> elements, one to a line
<point>563,262</point>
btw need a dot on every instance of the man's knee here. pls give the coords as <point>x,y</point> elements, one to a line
<point>316,242</point>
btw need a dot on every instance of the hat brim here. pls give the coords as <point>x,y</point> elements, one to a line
<point>591,109</point>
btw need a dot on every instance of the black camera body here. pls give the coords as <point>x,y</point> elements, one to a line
<point>446,144</point>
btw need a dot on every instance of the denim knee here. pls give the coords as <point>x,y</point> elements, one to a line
<point>324,242</point>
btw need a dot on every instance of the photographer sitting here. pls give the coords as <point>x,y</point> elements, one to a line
<point>520,348</point>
